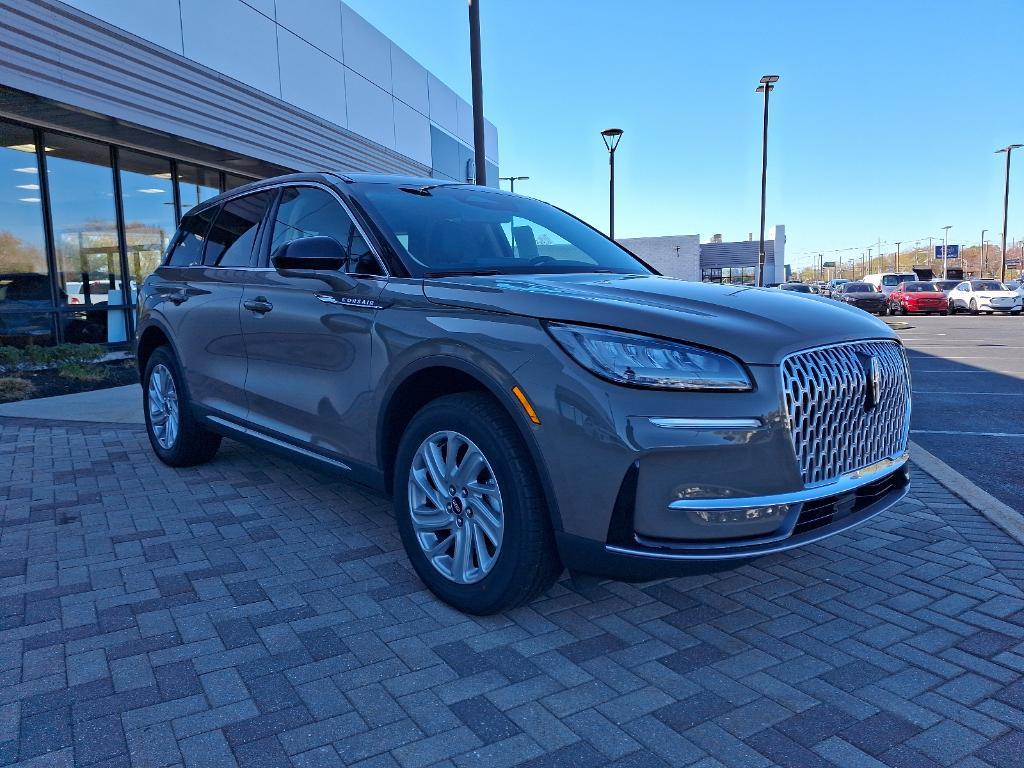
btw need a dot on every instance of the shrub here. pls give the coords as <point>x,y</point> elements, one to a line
<point>12,388</point>
<point>83,372</point>
<point>10,357</point>
<point>13,359</point>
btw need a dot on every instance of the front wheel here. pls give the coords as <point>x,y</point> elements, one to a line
<point>952,307</point>
<point>470,509</point>
<point>974,307</point>
<point>176,436</point>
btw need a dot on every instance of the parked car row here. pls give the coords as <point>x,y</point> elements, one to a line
<point>883,295</point>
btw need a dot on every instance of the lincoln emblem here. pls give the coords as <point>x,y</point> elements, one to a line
<point>874,383</point>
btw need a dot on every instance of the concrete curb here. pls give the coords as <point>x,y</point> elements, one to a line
<point>988,505</point>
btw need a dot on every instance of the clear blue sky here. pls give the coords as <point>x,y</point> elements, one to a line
<point>884,123</point>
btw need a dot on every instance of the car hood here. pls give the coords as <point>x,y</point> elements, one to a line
<point>758,325</point>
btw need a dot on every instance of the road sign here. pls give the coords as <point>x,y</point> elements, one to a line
<point>953,252</point>
<point>1013,262</point>
<point>828,265</point>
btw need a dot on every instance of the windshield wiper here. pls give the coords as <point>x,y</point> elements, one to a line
<point>425,191</point>
<point>462,272</point>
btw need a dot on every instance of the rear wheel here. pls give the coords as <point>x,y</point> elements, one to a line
<point>176,436</point>
<point>470,509</point>
<point>952,307</point>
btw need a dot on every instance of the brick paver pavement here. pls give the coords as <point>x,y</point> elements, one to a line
<point>251,611</point>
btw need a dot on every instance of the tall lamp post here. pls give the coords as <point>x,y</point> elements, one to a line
<point>981,263</point>
<point>896,257</point>
<point>476,72</point>
<point>512,181</point>
<point>1006,202</point>
<point>766,87</point>
<point>611,138</point>
<point>945,250</point>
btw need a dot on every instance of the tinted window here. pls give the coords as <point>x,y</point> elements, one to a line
<point>312,212</point>
<point>234,232</point>
<point>797,287</point>
<point>457,229</point>
<point>988,285</point>
<point>918,287</point>
<point>858,288</point>
<point>188,246</point>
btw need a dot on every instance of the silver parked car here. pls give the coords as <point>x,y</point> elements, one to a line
<point>533,395</point>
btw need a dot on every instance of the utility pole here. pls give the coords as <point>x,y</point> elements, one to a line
<point>945,251</point>
<point>983,264</point>
<point>1006,202</point>
<point>479,146</point>
<point>896,258</point>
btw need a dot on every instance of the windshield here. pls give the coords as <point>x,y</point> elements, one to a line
<point>798,287</point>
<point>1012,285</point>
<point>987,285</point>
<point>456,229</point>
<point>946,285</point>
<point>858,288</point>
<point>919,288</point>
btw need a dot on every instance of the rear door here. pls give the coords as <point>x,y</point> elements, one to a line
<point>308,345</point>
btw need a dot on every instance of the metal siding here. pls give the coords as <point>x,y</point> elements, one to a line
<point>57,52</point>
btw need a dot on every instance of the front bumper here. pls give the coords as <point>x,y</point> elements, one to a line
<point>986,305</point>
<point>812,515</point>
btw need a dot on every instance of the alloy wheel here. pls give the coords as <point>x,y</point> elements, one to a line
<point>163,406</point>
<point>456,507</point>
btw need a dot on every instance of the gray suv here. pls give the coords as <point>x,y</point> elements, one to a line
<point>533,395</point>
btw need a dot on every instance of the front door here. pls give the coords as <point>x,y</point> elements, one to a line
<point>308,345</point>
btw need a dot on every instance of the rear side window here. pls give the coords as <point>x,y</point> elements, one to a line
<point>188,245</point>
<point>233,234</point>
<point>312,212</point>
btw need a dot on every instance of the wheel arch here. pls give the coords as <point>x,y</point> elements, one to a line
<point>432,377</point>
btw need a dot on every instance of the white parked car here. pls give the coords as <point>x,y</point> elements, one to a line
<point>984,296</point>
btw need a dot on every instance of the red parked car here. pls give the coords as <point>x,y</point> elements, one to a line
<point>917,297</point>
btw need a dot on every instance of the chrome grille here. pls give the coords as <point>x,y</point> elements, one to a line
<point>835,427</point>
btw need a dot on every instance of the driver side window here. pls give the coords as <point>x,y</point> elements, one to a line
<point>313,212</point>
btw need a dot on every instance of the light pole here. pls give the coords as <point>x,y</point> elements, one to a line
<point>945,250</point>
<point>766,87</point>
<point>611,137</point>
<point>982,261</point>
<point>896,257</point>
<point>1006,202</point>
<point>512,181</point>
<point>476,72</point>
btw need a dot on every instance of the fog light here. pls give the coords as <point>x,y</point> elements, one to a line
<point>745,515</point>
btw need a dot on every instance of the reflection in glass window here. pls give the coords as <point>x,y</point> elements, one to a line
<point>196,184</point>
<point>311,212</point>
<point>234,231</point>
<point>147,196</point>
<point>188,248</point>
<point>231,181</point>
<point>24,284</point>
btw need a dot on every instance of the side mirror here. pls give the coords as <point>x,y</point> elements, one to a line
<point>314,258</point>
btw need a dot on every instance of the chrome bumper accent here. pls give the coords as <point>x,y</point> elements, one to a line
<point>711,423</point>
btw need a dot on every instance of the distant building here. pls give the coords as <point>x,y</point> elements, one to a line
<point>685,257</point>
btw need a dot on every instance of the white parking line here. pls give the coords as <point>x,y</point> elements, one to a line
<point>960,432</point>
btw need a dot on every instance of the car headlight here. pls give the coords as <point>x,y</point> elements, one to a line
<point>644,361</point>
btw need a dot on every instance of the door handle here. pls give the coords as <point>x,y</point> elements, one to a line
<point>260,305</point>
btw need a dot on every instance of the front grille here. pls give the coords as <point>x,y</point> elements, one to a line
<point>836,424</point>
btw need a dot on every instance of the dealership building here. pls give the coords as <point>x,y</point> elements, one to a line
<point>118,115</point>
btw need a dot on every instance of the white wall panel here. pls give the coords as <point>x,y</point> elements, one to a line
<point>412,133</point>
<point>311,79</point>
<point>444,108</point>
<point>465,121</point>
<point>371,112</point>
<point>410,80</point>
<point>367,51</point>
<point>316,21</point>
<point>231,37</point>
<point>490,141</point>
<point>158,21</point>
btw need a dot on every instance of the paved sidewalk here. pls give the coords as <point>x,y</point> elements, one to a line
<point>253,612</point>
<point>114,405</point>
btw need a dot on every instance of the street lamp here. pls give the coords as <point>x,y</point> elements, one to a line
<point>945,250</point>
<point>476,74</point>
<point>982,263</point>
<point>512,181</point>
<point>896,258</point>
<point>611,138</point>
<point>1006,202</point>
<point>766,87</point>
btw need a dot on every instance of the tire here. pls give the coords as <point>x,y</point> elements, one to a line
<point>952,307</point>
<point>526,562</point>
<point>974,307</point>
<point>944,312</point>
<point>191,444</point>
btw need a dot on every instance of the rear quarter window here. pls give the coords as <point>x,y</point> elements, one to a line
<point>190,240</point>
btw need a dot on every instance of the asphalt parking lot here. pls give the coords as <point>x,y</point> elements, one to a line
<point>968,375</point>
<point>252,613</point>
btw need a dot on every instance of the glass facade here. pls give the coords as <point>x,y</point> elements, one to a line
<point>82,223</point>
<point>732,275</point>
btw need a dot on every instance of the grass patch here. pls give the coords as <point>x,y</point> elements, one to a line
<point>12,388</point>
<point>83,372</point>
